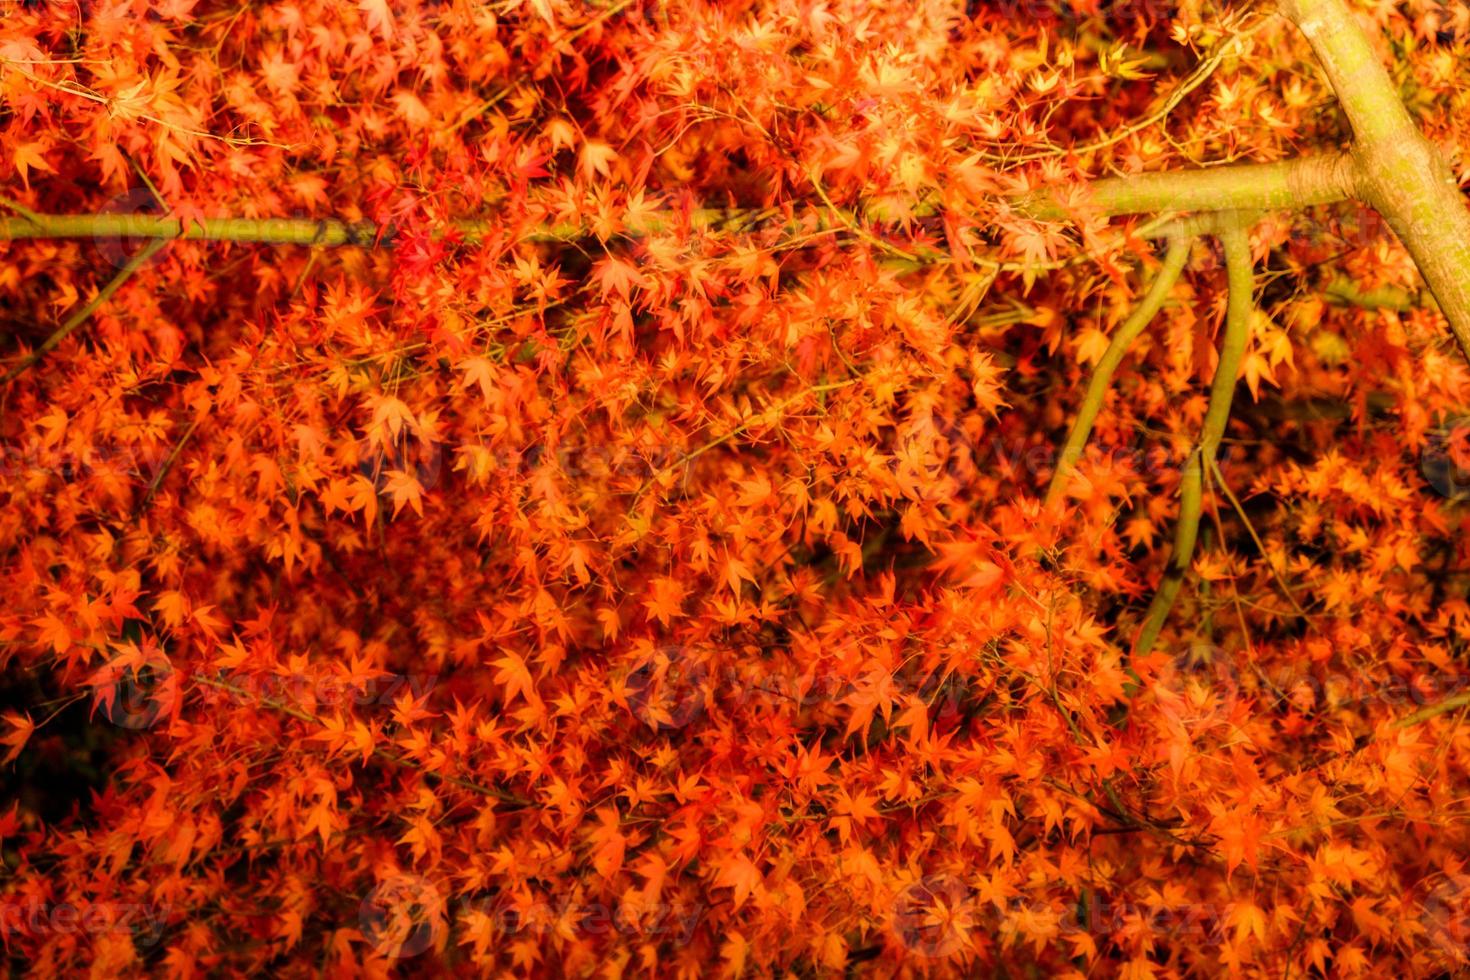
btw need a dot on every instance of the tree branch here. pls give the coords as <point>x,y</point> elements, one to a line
<point>80,316</point>
<point>1391,166</point>
<point>1102,375</point>
<point>291,231</point>
<point>1396,169</point>
<point>1238,312</point>
<point>1290,184</point>
<point>377,751</point>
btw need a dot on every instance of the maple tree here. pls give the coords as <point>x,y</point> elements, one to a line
<point>734,487</point>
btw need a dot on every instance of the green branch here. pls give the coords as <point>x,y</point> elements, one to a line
<point>1266,186</point>
<point>80,316</point>
<point>1395,168</point>
<point>324,232</point>
<point>1287,185</point>
<point>1191,491</point>
<point>1391,166</point>
<point>1102,375</point>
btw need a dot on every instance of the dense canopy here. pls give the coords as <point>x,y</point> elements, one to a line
<point>599,524</point>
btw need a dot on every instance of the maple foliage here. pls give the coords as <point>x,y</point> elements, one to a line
<point>676,593</point>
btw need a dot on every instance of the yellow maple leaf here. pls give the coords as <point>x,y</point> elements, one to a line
<point>596,158</point>
<point>378,16</point>
<point>405,489</point>
<point>1091,345</point>
<point>1247,919</point>
<point>21,729</point>
<point>27,157</point>
<point>515,677</point>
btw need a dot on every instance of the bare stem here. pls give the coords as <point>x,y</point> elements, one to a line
<point>382,753</point>
<point>284,231</point>
<point>1191,491</point>
<point>1395,168</point>
<point>80,316</point>
<point>1267,186</point>
<point>1290,184</point>
<point>1102,375</point>
<point>1433,711</point>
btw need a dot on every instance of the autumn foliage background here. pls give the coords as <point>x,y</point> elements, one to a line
<point>615,586</point>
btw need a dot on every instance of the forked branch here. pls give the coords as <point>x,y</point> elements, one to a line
<point>1102,375</point>
<point>1394,167</point>
<point>1240,305</point>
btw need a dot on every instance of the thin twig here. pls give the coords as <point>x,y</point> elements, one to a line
<point>1433,711</point>
<point>168,464</point>
<point>1240,512</point>
<point>1102,375</point>
<point>578,31</point>
<point>20,209</point>
<point>147,183</point>
<point>774,412</point>
<point>386,754</point>
<point>75,88</point>
<point>1241,278</point>
<point>1194,80</point>
<point>80,317</point>
<point>852,224</point>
